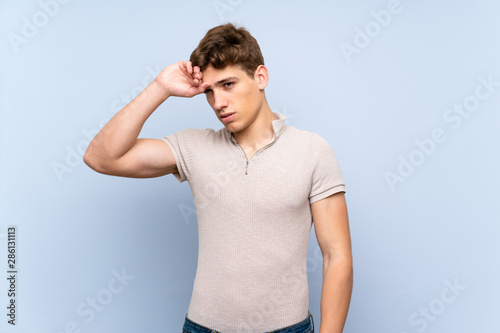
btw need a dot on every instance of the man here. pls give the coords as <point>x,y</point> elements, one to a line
<point>257,184</point>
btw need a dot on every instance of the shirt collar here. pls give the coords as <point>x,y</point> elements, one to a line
<point>278,123</point>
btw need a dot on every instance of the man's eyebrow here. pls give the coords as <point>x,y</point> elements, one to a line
<point>225,80</point>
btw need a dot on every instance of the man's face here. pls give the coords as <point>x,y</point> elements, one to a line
<point>235,97</point>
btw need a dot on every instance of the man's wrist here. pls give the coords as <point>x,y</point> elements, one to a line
<point>159,89</point>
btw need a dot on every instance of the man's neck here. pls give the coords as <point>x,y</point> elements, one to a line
<point>259,133</point>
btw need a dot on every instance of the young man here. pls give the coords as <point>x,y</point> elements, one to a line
<point>258,185</point>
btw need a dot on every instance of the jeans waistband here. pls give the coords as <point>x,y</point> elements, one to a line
<point>305,326</point>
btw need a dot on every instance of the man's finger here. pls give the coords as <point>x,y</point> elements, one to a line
<point>204,86</point>
<point>188,66</point>
<point>200,88</point>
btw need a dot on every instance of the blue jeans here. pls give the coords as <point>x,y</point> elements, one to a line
<point>305,326</point>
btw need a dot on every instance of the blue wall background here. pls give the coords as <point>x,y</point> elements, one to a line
<point>406,92</point>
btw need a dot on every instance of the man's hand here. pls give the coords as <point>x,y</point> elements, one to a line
<point>181,79</point>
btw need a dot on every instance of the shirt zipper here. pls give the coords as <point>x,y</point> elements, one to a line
<point>247,160</point>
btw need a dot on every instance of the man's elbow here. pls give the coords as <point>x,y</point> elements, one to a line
<point>93,162</point>
<point>340,263</point>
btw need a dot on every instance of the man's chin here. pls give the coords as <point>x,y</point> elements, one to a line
<point>230,127</point>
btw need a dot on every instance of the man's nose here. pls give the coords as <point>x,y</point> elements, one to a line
<point>220,102</point>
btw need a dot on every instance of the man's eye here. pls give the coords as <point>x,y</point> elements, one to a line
<point>228,84</point>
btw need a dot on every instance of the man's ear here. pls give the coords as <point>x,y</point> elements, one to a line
<point>261,76</point>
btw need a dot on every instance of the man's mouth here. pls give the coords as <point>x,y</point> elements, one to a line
<point>227,116</point>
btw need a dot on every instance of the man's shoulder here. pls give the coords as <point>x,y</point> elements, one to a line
<point>305,136</point>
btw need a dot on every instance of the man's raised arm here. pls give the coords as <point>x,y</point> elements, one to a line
<point>117,151</point>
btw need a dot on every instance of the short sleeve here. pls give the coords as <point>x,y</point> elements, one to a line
<point>326,178</point>
<point>173,143</point>
<point>184,145</point>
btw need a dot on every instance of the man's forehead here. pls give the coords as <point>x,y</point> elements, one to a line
<point>213,75</point>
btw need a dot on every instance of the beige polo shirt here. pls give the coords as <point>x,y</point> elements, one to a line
<point>254,222</point>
